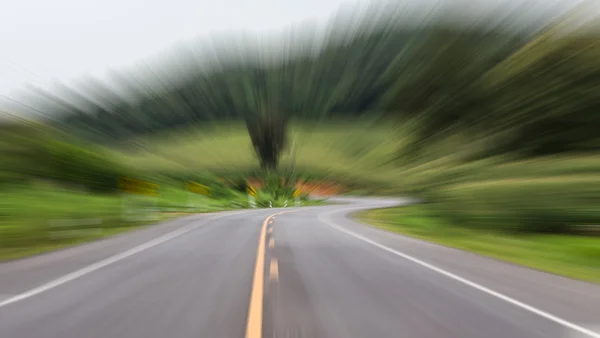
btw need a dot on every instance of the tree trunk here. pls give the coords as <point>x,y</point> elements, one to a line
<point>268,138</point>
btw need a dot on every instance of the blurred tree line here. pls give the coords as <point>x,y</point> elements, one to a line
<point>534,89</point>
<point>33,151</point>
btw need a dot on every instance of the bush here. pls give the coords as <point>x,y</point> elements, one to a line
<point>218,187</point>
<point>88,167</point>
<point>19,146</point>
<point>534,205</point>
<point>278,187</point>
<point>36,151</point>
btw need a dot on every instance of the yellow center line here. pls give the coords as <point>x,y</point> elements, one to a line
<point>274,270</point>
<point>271,243</point>
<point>255,309</point>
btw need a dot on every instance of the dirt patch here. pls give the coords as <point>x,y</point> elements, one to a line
<point>256,183</point>
<point>313,188</point>
<point>319,188</point>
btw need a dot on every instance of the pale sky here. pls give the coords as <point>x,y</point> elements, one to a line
<point>44,41</point>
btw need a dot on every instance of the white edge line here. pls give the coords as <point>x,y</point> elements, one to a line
<point>108,261</point>
<point>479,287</point>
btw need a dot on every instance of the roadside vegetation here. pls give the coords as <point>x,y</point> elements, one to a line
<point>542,212</point>
<point>571,255</point>
<point>57,190</point>
<point>494,128</point>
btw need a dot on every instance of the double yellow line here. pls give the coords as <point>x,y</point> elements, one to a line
<point>255,309</point>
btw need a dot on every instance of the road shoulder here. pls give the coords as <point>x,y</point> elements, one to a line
<point>575,300</point>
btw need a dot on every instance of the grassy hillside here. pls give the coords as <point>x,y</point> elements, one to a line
<point>361,152</point>
<point>348,152</point>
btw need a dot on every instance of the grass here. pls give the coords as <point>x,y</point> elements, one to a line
<point>26,213</point>
<point>352,152</point>
<point>12,253</point>
<point>571,256</point>
<point>40,248</point>
<point>346,152</point>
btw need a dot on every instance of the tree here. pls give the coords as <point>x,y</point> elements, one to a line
<point>268,135</point>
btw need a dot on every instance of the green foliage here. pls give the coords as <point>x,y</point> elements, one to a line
<point>530,205</point>
<point>73,164</point>
<point>27,214</point>
<point>558,194</point>
<point>568,255</point>
<point>20,144</point>
<point>36,152</point>
<point>218,187</point>
<point>278,187</point>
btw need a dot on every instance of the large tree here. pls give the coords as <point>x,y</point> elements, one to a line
<point>268,135</point>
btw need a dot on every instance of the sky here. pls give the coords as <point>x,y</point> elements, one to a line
<point>47,41</point>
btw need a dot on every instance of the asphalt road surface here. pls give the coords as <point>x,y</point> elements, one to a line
<point>305,272</point>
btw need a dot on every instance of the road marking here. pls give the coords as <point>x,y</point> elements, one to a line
<point>270,231</point>
<point>479,287</point>
<point>271,222</point>
<point>274,270</point>
<point>108,261</point>
<point>5,296</point>
<point>271,243</point>
<point>255,308</point>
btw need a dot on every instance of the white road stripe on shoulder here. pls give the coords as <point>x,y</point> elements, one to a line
<point>108,261</point>
<point>553,318</point>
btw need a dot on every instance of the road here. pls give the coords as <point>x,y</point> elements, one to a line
<point>305,272</point>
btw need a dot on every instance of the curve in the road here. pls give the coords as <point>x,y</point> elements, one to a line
<point>460,279</point>
<point>331,277</point>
